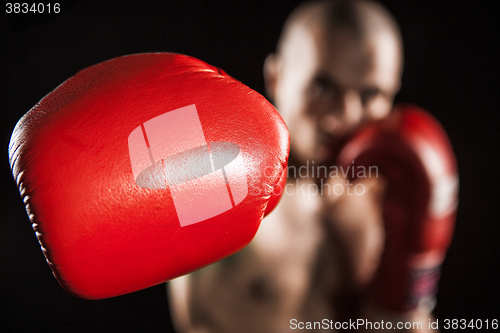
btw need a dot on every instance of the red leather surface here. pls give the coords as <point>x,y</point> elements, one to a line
<point>277,193</point>
<point>413,153</point>
<point>102,234</point>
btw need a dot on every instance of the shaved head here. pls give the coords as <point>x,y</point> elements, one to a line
<point>337,65</point>
<point>363,19</point>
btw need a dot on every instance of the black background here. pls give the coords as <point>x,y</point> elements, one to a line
<point>451,50</point>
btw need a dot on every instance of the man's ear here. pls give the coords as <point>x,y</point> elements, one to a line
<point>271,69</point>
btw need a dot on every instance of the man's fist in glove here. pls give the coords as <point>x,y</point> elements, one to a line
<point>143,168</point>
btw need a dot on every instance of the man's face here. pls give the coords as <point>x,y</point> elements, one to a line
<point>329,83</point>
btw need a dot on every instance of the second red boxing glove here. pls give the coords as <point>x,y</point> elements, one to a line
<point>146,167</point>
<point>412,152</point>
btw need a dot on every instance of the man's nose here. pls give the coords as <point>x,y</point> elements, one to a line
<point>343,117</point>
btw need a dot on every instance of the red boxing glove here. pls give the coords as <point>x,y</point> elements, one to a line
<point>143,168</point>
<point>412,152</point>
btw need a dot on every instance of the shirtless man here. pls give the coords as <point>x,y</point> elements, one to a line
<point>337,66</point>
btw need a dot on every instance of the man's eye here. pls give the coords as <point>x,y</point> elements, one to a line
<point>320,86</point>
